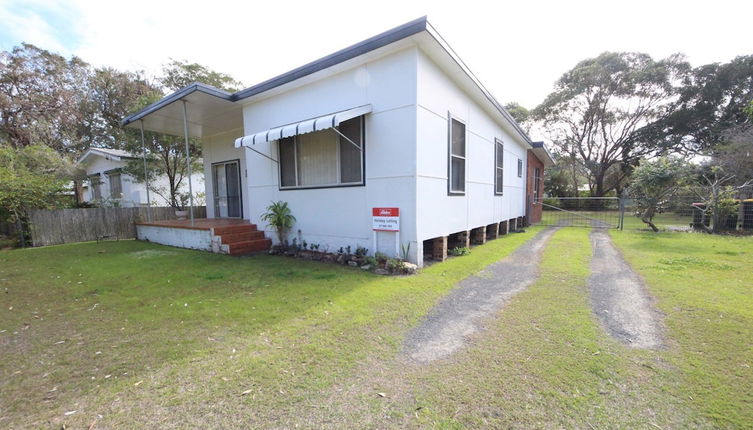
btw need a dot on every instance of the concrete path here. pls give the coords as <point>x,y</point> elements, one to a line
<point>619,298</point>
<point>459,314</point>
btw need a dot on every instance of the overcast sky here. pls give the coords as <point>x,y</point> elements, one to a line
<point>517,49</point>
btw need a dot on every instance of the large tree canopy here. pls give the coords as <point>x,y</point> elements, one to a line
<point>40,97</point>
<point>63,103</point>
<point>597,108</point>
<point>712,101</point>
<point>177,74</point>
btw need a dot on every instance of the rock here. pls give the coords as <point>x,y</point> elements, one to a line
<point>366,267</point>
<point>341,259</point>
<point>382,272</point>
<point>352,263</point>
<point>410,268</point>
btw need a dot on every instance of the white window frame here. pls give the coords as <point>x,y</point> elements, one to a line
<point>499,145</point>
<point>520,167</point>
<point>338,184</point>
<point>536,184</point>
<point>450,155</point>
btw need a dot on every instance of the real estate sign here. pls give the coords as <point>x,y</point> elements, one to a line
<point>385,219</point>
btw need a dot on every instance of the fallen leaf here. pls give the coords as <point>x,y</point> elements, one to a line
<point>246,392</point>
<point>138,383</point>
<point>70,413</point>
<point>381,395</point>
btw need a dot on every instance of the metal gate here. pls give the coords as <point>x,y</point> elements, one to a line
<point>591,212</point>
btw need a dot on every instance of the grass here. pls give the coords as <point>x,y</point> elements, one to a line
<point>703,285</point>
<point>183,335</point>
<point>105,329</point>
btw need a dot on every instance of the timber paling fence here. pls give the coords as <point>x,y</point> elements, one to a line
<point>55,227</point>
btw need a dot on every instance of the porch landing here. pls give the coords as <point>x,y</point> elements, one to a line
<point>222,236</point>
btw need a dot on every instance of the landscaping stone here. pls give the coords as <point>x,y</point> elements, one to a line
<point>352,263</point>
<point>410,268</point>
<point>366,267</point>
<point>382,272</point>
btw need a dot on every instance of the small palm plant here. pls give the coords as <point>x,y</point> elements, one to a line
<point>279,216</point>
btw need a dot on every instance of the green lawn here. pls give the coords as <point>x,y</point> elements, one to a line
<point>134,335</point>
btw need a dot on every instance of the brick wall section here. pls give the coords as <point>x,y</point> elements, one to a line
<point>479,235</point>
<point>439,248</point>
<point>533,211</point>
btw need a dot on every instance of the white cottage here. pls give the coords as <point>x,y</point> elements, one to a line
<point>394,125</point>
<point>106,183</point>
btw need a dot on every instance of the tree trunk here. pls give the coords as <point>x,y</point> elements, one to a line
<point>648,216</point>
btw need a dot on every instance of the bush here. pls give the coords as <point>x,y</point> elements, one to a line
<point>381,258</point>
<point>460,251</point>
<point>395,265</point>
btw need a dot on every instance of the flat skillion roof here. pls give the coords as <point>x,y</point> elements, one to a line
<point>381,40</point>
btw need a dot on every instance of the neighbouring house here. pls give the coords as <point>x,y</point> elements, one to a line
<point>538,159</point>
<point>107,184</point>
<point>391,144</point>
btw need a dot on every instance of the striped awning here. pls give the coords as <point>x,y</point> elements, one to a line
<point>302,127</point>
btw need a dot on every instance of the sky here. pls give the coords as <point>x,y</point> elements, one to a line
<point>517,49</point>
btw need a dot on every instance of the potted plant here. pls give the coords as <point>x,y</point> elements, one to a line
<point>279,216</point>
<point>181,203</point>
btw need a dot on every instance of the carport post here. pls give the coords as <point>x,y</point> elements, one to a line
<point>146,174</point>
<point>188,159</point>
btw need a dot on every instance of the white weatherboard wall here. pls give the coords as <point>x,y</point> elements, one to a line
<point>440,214</point>
<point>134,193</point>
<point>341,216</point>
<point>219,148</point>
<point>406,146</point>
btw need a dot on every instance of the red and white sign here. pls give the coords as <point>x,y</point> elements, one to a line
<point>386,219</point>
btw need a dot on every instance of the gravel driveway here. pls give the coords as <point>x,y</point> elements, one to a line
<point>460,313</point>
<point>619,298</point>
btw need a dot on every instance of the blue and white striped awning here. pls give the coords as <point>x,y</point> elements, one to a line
<point>302,127</point>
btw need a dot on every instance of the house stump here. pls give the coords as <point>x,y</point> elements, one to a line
<point>439,248</point>
<point>492,231</point>
<point>479,235</point>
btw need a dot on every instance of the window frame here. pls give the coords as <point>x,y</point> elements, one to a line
<point>95,181</point>
<point>362,183</point>
<point>536,184</point>
<point>520,167</point>
<point>499,143</point>
<point>464,157</point>
<point>120,184</point>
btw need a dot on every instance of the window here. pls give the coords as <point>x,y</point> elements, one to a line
<point>520,168</point>
<point>536,184</point>
<point>323,158</point>
<point>499,165</point>
<point>116,186</point>
<point>457,157</point>
<point>96,187</point>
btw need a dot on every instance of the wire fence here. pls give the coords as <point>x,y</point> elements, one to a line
<point>591,212</point>
<point>687,211</point>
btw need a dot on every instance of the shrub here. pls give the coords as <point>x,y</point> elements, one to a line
<point>460,251</point>
<point>396,265</point>
<point>381,258</point>
<point>280,217</point>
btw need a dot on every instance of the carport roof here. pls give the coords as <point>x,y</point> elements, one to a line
<point>211,110</point>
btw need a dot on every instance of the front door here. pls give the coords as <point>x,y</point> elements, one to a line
<point>227,189</point>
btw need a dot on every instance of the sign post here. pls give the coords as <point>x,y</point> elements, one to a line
<point>386,219</point>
